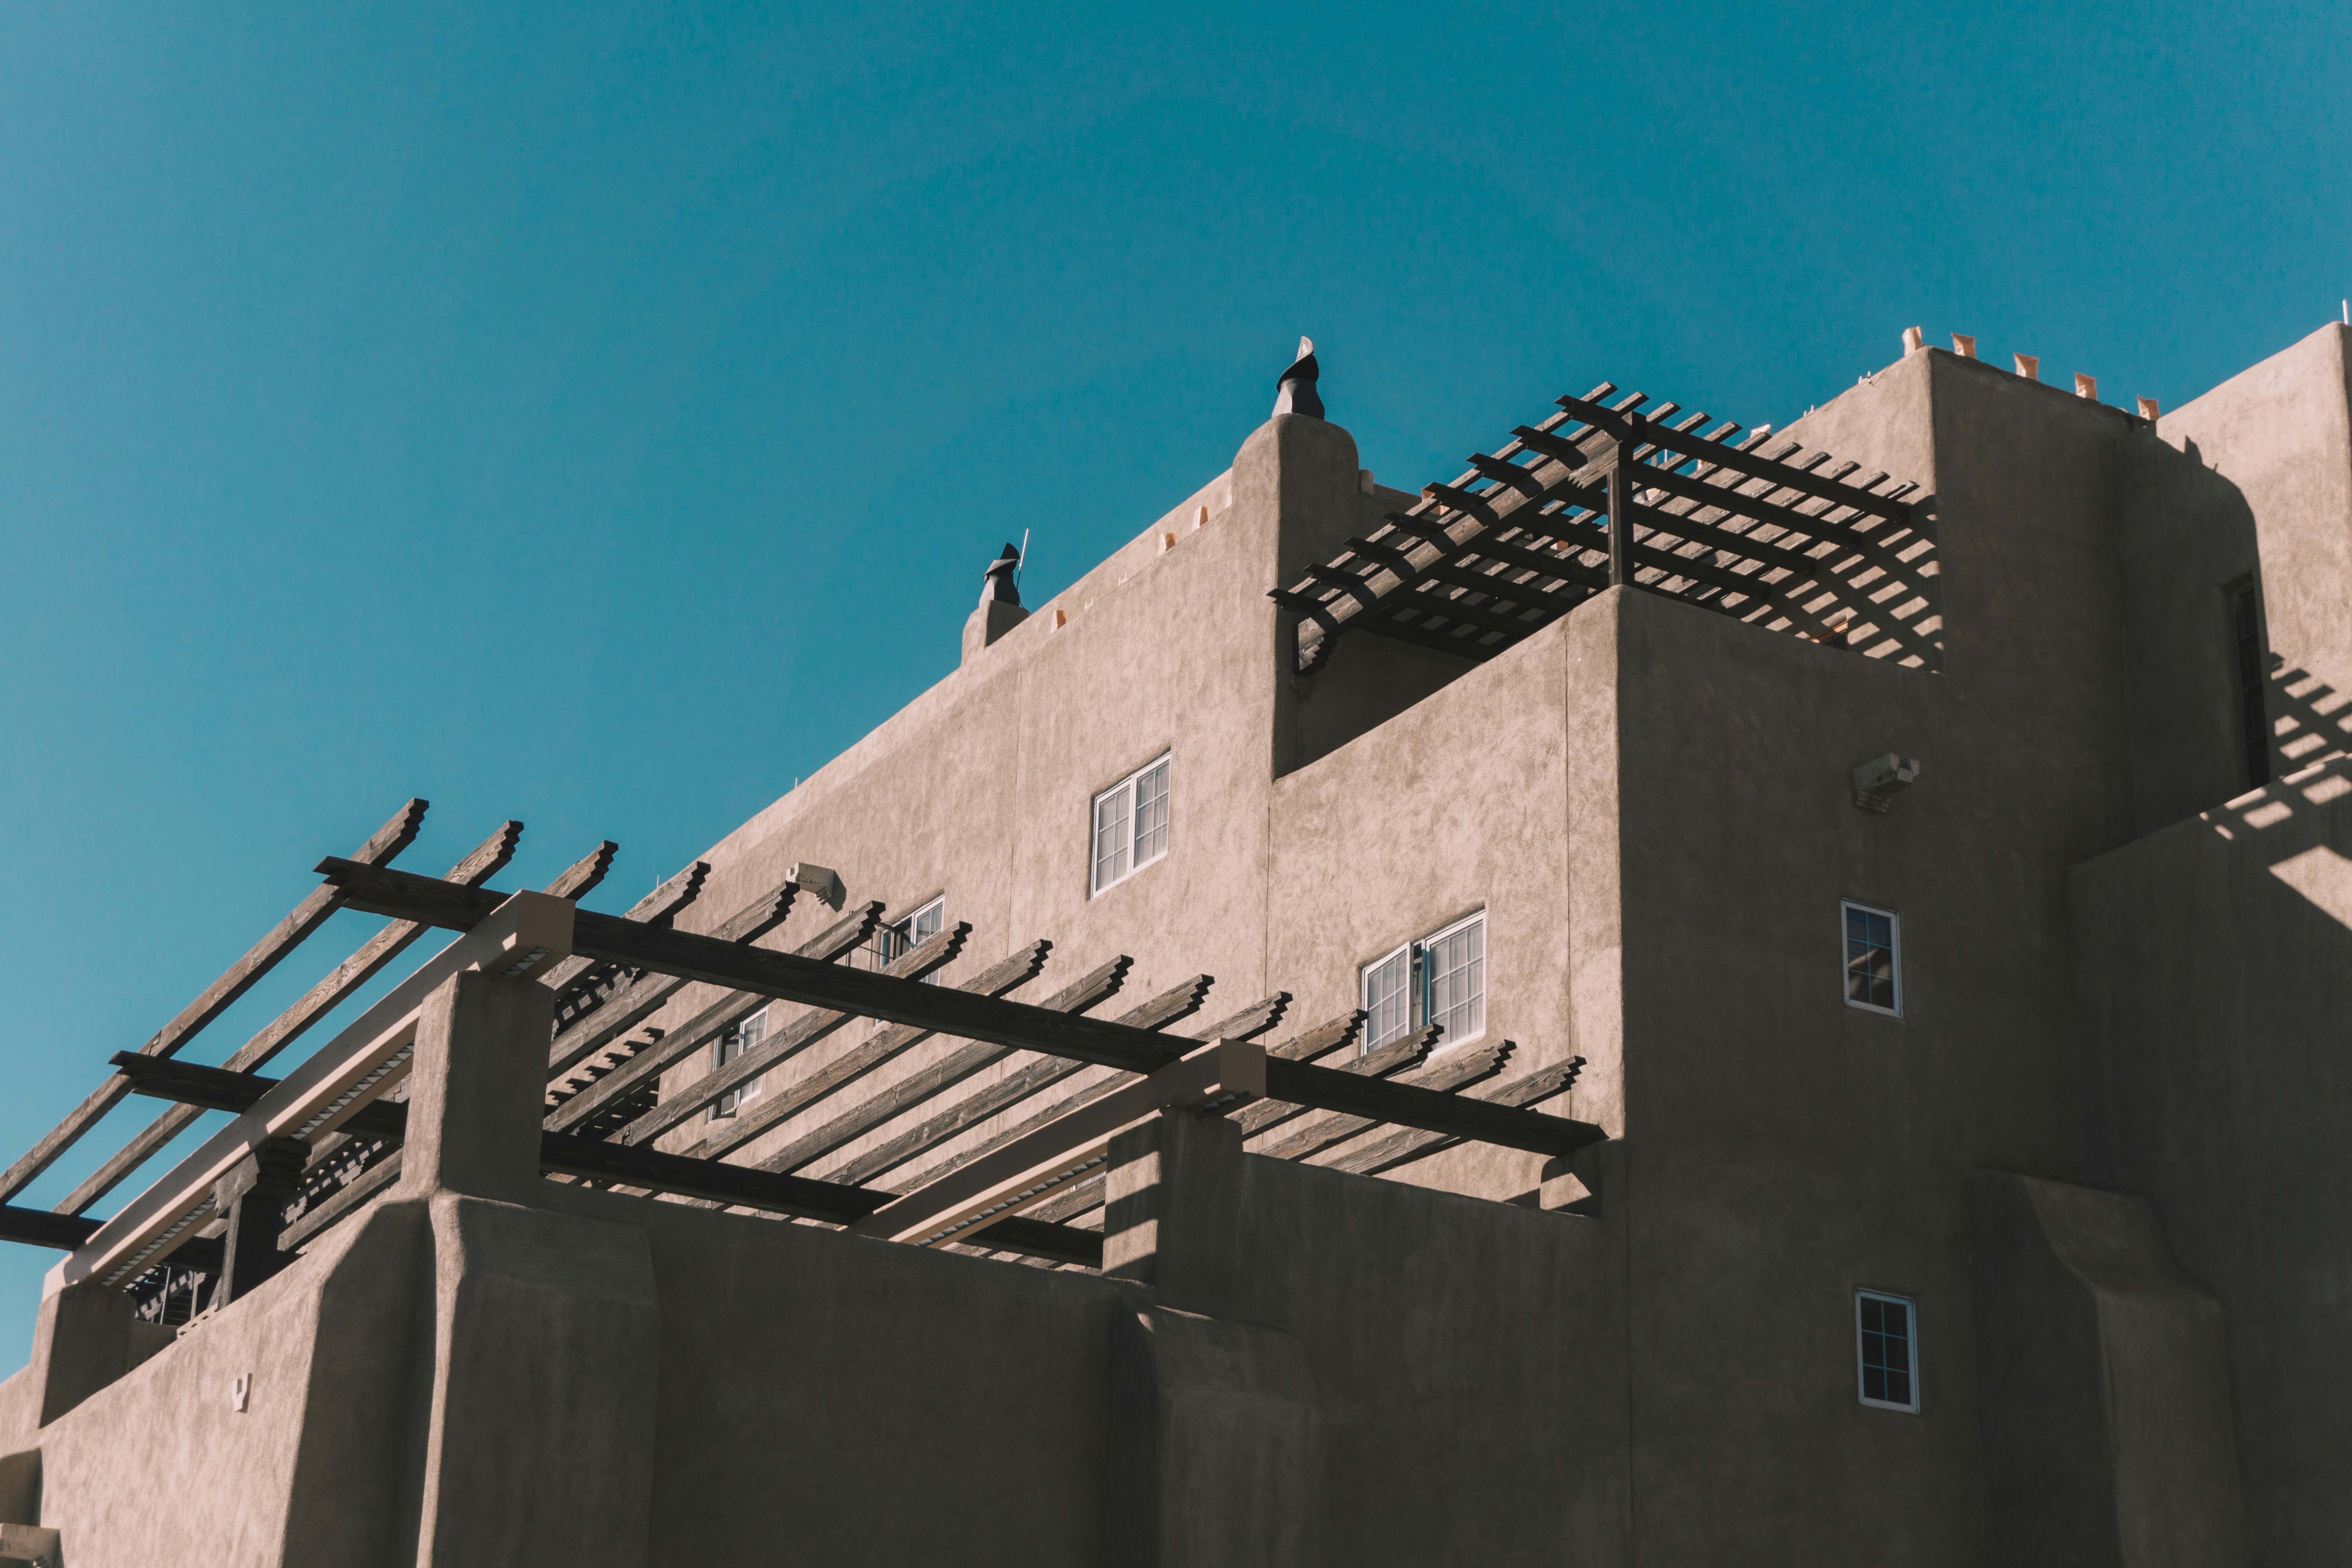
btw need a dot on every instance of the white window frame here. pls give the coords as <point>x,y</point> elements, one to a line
<point>1097,883</point>
<point>1861,1371</point>
<point>730,1045</point>
<point>1895,942</point>
<point>1417,978</point>
<point>898,938</point>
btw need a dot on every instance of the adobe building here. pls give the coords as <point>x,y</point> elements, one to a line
<point>1689,996</point>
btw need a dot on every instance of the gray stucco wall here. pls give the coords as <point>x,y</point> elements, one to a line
<point>2216,979</point>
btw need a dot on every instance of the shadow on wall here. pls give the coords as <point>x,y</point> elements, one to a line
<point>2310,720</point>
<point>2216,961</point>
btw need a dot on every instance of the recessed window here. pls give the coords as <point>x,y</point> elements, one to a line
<point>1440,980</point>
<point>1887,1345</point>
<point>1873,959</point>
<point>730,1045</point>
<point>901,937</point>
<point>1130,826</point>
<point>2253,725</point>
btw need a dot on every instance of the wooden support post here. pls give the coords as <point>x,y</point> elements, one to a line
<point>253,1197</point>
<point>1621,521</point>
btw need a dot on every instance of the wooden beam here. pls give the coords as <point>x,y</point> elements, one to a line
<point>1468,647</point>
<point>206,1089</point>
<point>1323,1039</point>
<point>646,994</point>
<point>744,1186</point>
<point>1410,1143</point>
<point>385,842</point>
<point>1457,1071</point>
<point>792,978</point>
<point>481,863</point>
<point>928,957</point>
<point>844,936</point>
<point>998,980</point>
<point>39,1227</point>
<point>1753,462</point>
<point>1401,1054</point>
<point>1171,1006</point>
<point>1475,617</point>
<point>1245,1025</point>
<point>581,877</point>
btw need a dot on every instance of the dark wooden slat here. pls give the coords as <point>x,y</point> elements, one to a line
<point>485,860</point>
<point>1323,1039</point>
<point>1751,461</point>
<point>1455,1073</point>
<point>39,1227</point>
<point>1410,1143</point>
<point>646,995</point>
<point>998,980</point>
<point>1565,567</point>
<point>218,1089</point>
<point>932,955</point>
<point>1401,1054</point>
<point>745,1187</point>
<point>1247,1023</point>
<point>580,878</point>
<point>384,843</point>
<point>1171,1006</point>
<point>1760,593</point>
<point>1508,474</point>
<point>1502,588</point>
<point>1815,529</point>
<point>792,978</point>
<point>1472,615</point>
<point>1349,582</point>
<point>1466,646</point>
<point>844,937</point>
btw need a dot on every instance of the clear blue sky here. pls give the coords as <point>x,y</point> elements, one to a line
<point>602,418</point>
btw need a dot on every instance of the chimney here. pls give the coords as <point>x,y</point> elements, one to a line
<point>1000,604</point>
<point>1294,392</point>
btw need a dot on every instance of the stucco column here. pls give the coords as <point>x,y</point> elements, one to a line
<point>476,1095</point>
<point>1218,1443</point>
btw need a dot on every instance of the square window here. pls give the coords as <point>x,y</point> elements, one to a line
<point>1887,1348</point>
<point>901,937</point>
<point>1130,826</point>
<point>1440,980</point>
<point>1873,959</point>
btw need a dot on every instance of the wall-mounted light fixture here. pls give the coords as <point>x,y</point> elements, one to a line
<point>1877,781</point>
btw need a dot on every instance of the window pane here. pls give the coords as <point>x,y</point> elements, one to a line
<point>1113,835</point>
<point>1388,997</point>
<point>929,920</point>
<point>1884,1327</point>
<point>1455,964</point>
<point>1151,814</point>
<point>1870,958</point>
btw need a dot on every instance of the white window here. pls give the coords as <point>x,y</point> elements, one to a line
<point>903,936</point>
<point>1130,826</point>
<point>1873,959</point>
<point>1440,980</point>
<point>1886,1345</point>
<point>733,1043</point>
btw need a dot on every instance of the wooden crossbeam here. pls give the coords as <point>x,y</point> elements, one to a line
<point>1469,647</point>
<point>792,978</point>
<point>1440,1079</point>
<point>1750,461</point>
<point>485,860</point>
<point>1410,1143</point>
<point>644,995</point>
<point>1477,616</point>
<point>844,936</point>
<point>928,957</point>
<point>381,846</point>
<point>1401,1054</point>
<point>886,1045</point>
<point>569,1154</point>
<point>1172,1005</point>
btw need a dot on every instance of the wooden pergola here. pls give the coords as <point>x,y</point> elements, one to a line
<point>1758,531</point>
<point>308,1149</point>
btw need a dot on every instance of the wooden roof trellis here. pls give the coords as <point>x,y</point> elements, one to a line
<point>1755,530</point>
<point>611,972</point>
